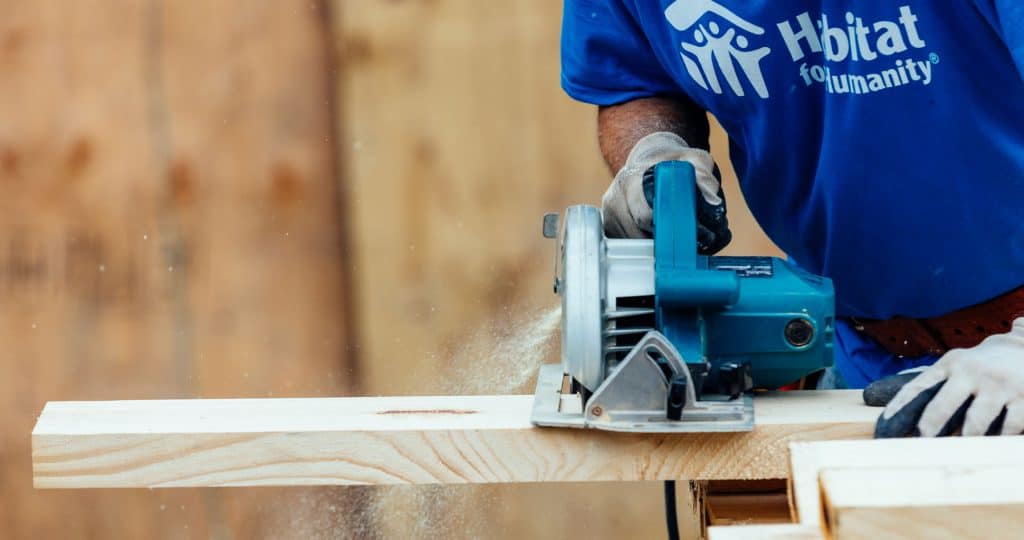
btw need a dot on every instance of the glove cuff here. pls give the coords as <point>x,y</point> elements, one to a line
<point>666,146</point>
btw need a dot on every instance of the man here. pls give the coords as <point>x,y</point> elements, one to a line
<point>877,143</point>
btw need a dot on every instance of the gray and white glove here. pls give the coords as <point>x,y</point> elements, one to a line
<point>627,205</point>
<point>975,391</point>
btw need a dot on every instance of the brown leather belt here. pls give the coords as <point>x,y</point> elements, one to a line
<point>960,329</point>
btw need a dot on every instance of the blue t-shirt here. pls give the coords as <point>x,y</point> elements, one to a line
<point>880,144</point>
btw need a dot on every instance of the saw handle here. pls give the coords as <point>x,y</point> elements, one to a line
<point>682,278</point>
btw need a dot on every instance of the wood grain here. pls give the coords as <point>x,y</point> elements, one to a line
<point>924,502</point>
<point>405,440</point>
<point>809,460</point>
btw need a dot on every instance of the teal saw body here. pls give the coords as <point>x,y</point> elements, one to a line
<point>658,338</point>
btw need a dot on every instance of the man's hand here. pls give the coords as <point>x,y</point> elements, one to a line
<point>979,391</point>
<point>627,204</point>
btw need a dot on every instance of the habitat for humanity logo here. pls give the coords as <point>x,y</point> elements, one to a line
<point>718,44</point>
<point>842,46</point>
<point>710,45</point>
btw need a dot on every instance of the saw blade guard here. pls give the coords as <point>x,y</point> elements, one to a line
<point>607,291</point>
<point>580,289</point>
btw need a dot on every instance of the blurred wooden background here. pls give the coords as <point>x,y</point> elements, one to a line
<point>274,198</point>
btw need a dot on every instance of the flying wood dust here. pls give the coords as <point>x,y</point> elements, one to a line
<point>501,357</point>
<point>504,357</point>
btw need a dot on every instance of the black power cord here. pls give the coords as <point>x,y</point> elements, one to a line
<point>671,520</point>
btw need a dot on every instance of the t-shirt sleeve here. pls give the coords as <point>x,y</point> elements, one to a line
<point>1007,16</point>
<point>606,59</point>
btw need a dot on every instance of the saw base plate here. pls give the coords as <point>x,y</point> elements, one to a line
<point>712,414</point>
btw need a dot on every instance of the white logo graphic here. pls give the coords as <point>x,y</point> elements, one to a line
<point>828,52</point>
<point>711,46</point>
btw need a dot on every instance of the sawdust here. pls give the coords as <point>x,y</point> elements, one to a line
<point>327,513</point>
<point>501,357</point>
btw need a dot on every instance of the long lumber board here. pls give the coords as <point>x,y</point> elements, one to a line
<point>405,440</point>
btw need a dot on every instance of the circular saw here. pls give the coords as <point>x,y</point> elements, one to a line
<point>657,338</point>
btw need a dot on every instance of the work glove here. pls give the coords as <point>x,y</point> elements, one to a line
<point>627,205</point>
<point>977,391</point>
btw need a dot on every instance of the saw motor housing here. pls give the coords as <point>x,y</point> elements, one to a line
<point>658,338</point>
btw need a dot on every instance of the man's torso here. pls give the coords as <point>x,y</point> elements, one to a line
<point>881,144</point>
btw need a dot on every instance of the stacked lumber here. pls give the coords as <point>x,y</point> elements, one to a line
<point>902,488</point>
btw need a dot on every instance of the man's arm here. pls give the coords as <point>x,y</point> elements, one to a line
<point>620,127</point>
<point>637,135</point>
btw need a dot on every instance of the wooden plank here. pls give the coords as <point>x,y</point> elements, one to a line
<point>924,502</point>
<point>948,486</point>
<point>980,522</point>
<point>808,460</point>
<point>404,440</point>
<point>789,531</point>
